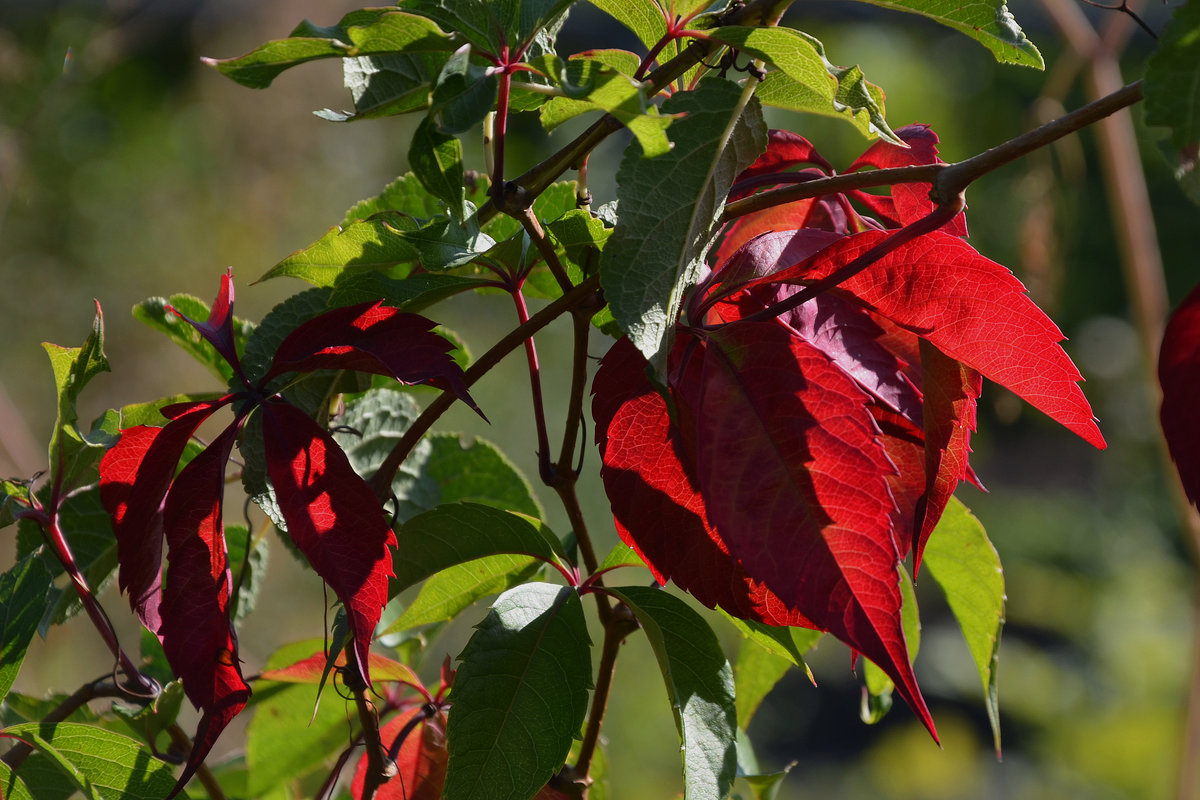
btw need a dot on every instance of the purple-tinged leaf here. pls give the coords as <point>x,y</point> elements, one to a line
<point>135,475</point>
<point>332,516</point>
<point>217,330</point>
<point>374,338</point>
<point>196,632</point>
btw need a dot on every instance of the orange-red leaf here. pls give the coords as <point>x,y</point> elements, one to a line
<point>420,762</point>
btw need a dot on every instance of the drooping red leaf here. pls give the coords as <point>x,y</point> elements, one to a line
<point>371,337</point>
<point>656,507</point>
<point>1179,377</point>
<point>794,478</point>
<point>972,309</point>
<point>904,443</point>
<point>785,150</point>
<point>909,201</point>
<point>218,328</point>
<point>312,669</point>
<point>420,763</point>
<point>951,391</point>
<point>134,477</point>
<point>757,258</point>
<point>196,633</point>
<point>332,516</point>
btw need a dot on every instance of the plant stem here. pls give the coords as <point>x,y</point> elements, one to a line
<point>529,222</point>
<point>545,468</point>
<point>620,625</point>
<point>500,131</point>
<point>582,293</point>
<point>379,767</point>
<point>948,180</point>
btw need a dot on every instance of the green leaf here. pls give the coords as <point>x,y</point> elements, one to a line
<point>23,591</point>
<point>412,293</point>
<point>699,685</point>
<point>1173,77</point>
<point>276,325</point>
<point>520,694</point>
<point>364,32</point>
<point>766,787</point>
<point>454,533</point>
<point>492,24</point>
<point>436,160</point>
<point>73,455</point>
<point>963,562</point>
<point>643,17</point>
<point>12,787</point>
<point>385,85</point>
<point>88,531</point>
<point>463,94</point>
<point>446,243</point>
<point>101,763</point>
<point>153,312</point>
<point>986,21</point>
<point>755,674</point>
<point>615,92</point>
<point>14,499</point>
<point>475,471</point>
<point>877,700</point>
<point>670,211</point>
<point>450,591</point>
<point>375,243</point>
<point>622,555</point>
<point>789,643</point>
<point>812,82</point>
<point>285,739</point>
<point>248,569</point>
<point>153,718</point>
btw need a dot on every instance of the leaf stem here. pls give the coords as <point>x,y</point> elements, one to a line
<point>529,222</point>
<point>382,480</point>
<point>500,130</point>
<point>949,180</point>
<point>619,626</point>
<point>379,767</point>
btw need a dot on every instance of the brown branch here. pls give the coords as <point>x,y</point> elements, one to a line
<point>380,768</point>
<point>382,481</point>
<point>949,180</point>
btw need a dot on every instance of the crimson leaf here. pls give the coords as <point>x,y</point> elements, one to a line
<point>796,482</point>
<point>135,475</point>
<point>196,632</point>
<point>374,338</point>
<point>971,308</point>
<point>332,516</point>
<point>420,761</point>
<point>1179,376</point>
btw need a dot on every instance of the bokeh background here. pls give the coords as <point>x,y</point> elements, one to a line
<point>128,170</point>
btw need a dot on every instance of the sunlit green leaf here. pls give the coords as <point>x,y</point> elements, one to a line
<point>878,699</point>
<point>755,674</point>
<point>436,160</point>
<point>371,244</point>
<point>964,563</point>
<point>988,22</point>
<point>643,17</point>
<point>450,591</point>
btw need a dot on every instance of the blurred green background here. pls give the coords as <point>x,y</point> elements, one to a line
<point>128,169</point>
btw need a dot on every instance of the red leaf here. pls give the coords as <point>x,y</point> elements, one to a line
<point>218,329</point>
<point>421,762</point>
<point>196,633</point>
<point>656,506</point>
<point>795,480</point>
<point>972,309</point>
<point>332,516</point>
<point>374,338</point>
<point>134,477</point>
<point>1179,376</point>
<point>310,670</point>
<point>951,390</point>
<point>909,201</point>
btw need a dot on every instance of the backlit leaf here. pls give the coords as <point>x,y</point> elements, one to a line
<point>972,309</point>
<point>23,591</point>
<point>73,455</point>
<point>154,312</point>
<point>965,564</point>
<point>455,588</point>
<point>420,760</point>
<point>371,244</point>
<point>989,22</point>
<point>332,516</point>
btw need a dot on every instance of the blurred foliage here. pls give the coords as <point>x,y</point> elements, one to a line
<point>127,170</point>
